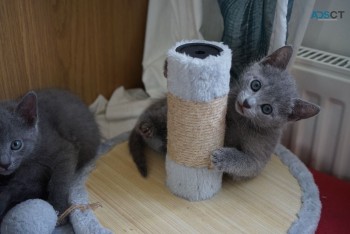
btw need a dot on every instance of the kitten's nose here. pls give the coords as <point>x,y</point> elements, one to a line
<point>5,165</point>
<point>246,104</point>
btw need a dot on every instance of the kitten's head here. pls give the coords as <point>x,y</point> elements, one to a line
<point>267,95</point>
<point>18,132</point>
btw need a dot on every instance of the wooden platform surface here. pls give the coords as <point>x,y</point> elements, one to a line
<point>266,204</point>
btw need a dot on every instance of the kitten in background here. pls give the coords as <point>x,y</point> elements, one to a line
<point>150,130</point>
<point>261,102</point>
<point>45,138</point>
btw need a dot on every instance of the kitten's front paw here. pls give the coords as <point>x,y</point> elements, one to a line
<point>218,157</point>
<point>146,130</point>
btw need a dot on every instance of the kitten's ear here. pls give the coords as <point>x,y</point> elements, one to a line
<point>27,108</point>
<point>279,58</point>
<point>303,110</point>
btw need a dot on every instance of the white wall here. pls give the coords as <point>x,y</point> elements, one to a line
<point>331,36</point>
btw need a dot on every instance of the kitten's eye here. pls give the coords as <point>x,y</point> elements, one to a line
<point>266,109</point>
<point>16,145</point>
<point>255,85</point>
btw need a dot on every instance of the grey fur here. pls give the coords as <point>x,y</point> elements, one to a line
<point>251,136</point>
<point>82,221</point>
<point>38,216</point>
<point>151,130</point>
<point>310,210</point>
<point>59,136</point>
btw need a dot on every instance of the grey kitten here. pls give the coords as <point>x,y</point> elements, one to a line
<point>44,139</point>
<point>150,130</point>
<point>261,102</point>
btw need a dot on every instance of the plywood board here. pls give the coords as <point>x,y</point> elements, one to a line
<point>131,203</point>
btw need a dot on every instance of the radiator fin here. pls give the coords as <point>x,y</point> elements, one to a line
<point>329,138</point>
<point>323,57</point>
<point>323,142</point>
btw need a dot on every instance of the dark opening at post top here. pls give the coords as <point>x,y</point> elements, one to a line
<point>199,50</point>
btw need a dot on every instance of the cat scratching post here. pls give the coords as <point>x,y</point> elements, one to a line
<point>198,85</point>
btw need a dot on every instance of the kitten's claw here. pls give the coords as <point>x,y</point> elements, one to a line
<point>218,159</point>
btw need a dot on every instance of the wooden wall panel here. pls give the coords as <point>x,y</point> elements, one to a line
<point>88,46</point>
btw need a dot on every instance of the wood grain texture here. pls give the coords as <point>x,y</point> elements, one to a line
<point>87,46</point>
<point>266,204</point>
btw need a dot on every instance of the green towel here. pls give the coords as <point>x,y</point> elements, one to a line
<point>248,25</point>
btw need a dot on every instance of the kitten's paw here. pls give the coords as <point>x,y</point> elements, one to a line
<point>218,157</point>
<point>146,130</point>
<point>143,170</point>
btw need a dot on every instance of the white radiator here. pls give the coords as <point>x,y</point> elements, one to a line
<point>323,142</point>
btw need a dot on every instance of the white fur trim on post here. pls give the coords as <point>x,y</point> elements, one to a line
<point>197,80</point>
<point>200,80</point>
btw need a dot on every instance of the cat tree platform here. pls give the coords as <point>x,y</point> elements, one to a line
<point>274,202</point>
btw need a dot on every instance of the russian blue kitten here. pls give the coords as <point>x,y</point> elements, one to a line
<point>44,139</point>
<point>261,102</point>
<point>150,130</point>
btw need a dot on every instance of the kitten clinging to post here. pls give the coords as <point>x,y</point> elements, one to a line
<point>45,138</point>
<point>261,102</point>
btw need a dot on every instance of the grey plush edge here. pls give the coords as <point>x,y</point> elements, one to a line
<point>310,211</point>
<point>110,143</point>
<point>86,222</point>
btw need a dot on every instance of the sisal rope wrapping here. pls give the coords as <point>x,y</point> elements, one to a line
<point>197,100</point>
<point>195,129</point>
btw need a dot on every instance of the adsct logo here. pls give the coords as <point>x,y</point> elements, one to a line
<point>327,15</point>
